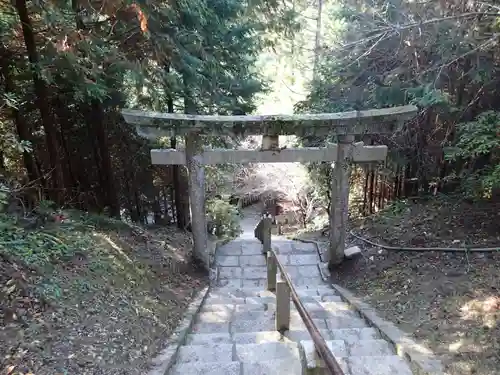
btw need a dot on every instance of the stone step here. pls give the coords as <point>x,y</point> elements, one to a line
<point>267,351</point>
<point>227,353</point>
<point>206,368</point>
<point>287,366</point>
<point>274,367</point>
<point>378,365</point>
<point>228,281</point>
<point>323,310</point>
<point>348,335</point>
<point>222,353</point>
<point>243,292</point>
<point>343,349</point>
<point>372,365</point>
<point>239,279</point>
<point>310,302</point>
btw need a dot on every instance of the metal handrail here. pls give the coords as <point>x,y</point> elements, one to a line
<point>263,234</point>
<point>319,342</point>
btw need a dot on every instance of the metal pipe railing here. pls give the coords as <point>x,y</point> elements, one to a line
<point>283,296</point>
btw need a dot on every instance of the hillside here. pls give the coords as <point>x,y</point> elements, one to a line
<point>90,295</point>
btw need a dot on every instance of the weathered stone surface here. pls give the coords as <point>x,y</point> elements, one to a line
<point>254,273</point>
<point>352,251</point>
<point>210,328</point>
<point>302,271</point>
<point>254,300</point>
<point>282,247</point>
<point>231,283</point>
<point>252,248</point>
<point>299,335</point>
<point>224,300</point>
<point>252,260</point>
<point>204,368</point>
<point>342,322</point>
<point>254,283</point>
<point>330,298</point>
<point>257,337</point>
<point>231,248</point>
<point>369,348</point>
<point>376,365</point>
<point>267,351</point>
<point>213,317</point>
<point>303,260</point>
<point>297,324</point>
<point>253,315</point>
<point>230,272</point>
<point>313,360</point>
<point>208,339</point>
<point>353,335</point>
<point>304,247</point>
<point>227,308</point>
<point>273,367</point>
<point>337,306</point>
<point>221,353</point>
<point>228,261</point>
<point>266,324</point>
<point>311,282</point>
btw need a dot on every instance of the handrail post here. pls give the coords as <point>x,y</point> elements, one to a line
<point>272,270</point>
<point>266,235</point>
<point>282,306</point>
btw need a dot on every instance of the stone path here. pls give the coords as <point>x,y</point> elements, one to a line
<point>234,333</point>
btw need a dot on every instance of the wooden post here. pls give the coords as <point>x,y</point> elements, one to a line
<point>282,306</point>
<point>266,234</point>
<point>339,206</point>
<point>196,179</point>
<point>272,270</point>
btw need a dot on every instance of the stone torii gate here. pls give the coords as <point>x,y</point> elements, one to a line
<point>346,126</point>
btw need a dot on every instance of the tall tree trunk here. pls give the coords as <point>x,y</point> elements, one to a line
<point>179,178</point>
<point>103,160</point>
<point>105,166</point>
<point>41,100</point>
<point>317,41</point>
<point>23,129</point>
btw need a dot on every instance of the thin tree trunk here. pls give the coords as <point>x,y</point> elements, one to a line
<point>365,190</point>
<point>100,131</point>
<point>317,42</point>
<point>41,100</point>
<point>22,127</point>
<point>371,191</point>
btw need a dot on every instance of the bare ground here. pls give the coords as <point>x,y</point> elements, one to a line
<point>107,309</point>
<point>449,301</point>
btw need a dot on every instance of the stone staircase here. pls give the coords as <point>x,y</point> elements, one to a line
<point>234,332</point>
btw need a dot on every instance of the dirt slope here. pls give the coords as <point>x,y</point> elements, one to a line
<point>90,295</point>
<point>450,301</point>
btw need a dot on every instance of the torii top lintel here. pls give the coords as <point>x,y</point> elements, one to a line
<point>372,121</point>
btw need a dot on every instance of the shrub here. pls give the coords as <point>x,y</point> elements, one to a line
<point>476,149</point>
<point>224,218</point>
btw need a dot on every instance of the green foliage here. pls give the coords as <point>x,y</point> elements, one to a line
<point>225,218</point>
<point>49,288</point>
<point>385,53</point>
<point>53,243</point>
<point>38,249</point>
<point>477,149</point>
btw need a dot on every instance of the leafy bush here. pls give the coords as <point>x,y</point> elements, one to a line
<point>477,149</point>
<point>224,217</point>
